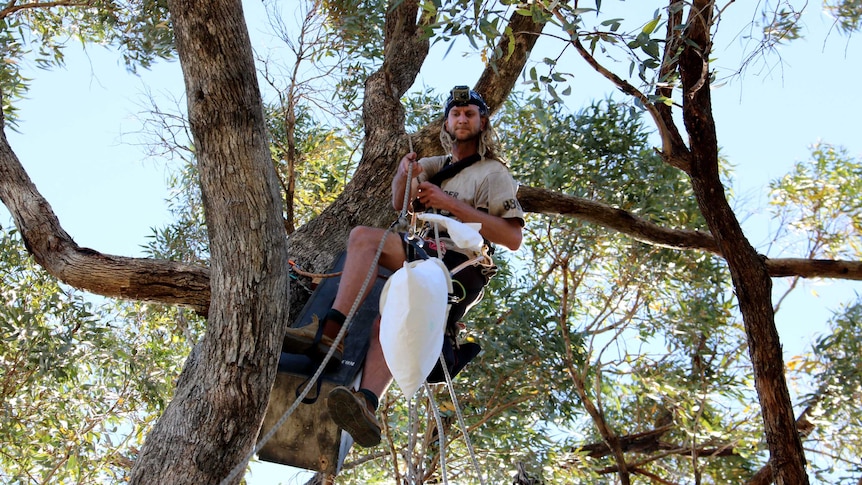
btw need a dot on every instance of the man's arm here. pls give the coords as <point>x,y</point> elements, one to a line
<point>399,181</point>
<point>498,230</point>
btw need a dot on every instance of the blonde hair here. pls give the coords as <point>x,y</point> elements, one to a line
<point>488,143</point>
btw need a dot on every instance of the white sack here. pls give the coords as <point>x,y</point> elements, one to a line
<point>465,235</point>
<point>413,310</point>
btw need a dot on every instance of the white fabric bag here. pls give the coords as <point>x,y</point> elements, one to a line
<point>465,235</point>
<point>414,306</point>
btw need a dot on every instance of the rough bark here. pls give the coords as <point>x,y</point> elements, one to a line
<point>751,280</point>
<point>212,422</point>
<point>805,427</point>
<point>365,200</point>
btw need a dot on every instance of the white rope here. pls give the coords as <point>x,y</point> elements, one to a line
<point>441,436</point>
<point>347,321</point>
<point>461,422</point>
<point>407,186</point>
<point>412,426</point>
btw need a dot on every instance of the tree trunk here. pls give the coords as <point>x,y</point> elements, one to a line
<point>212,422</point>
<point>751,280</point>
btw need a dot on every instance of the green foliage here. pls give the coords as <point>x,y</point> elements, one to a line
<point>831,370</point>
<point>186,238</point>
<point>37,33</point>
<point>820,204</point>
<point>421,109</point>
<point>780,23</point>
<point>354,33</point>
<point>847,14</point>
<point>324,161</point>
<point>80,385</point>
<point>651,333</point>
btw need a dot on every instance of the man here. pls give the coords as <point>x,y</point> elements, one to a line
<point>482,191</point>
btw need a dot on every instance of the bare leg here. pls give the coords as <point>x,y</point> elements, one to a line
<point>361,248</point>
<point>353,411</point>
<point>375,374</point>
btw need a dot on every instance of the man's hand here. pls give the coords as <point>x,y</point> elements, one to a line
<point>400,184</point>
<point>405,165</point>
<point>431,195</point>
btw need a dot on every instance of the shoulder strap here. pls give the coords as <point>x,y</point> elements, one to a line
<point>448,171</point>
<point>453,169</point>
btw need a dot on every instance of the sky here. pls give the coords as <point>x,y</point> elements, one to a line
<point>79,140</point>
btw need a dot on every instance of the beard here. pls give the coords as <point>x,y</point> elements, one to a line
<point>465,135</point>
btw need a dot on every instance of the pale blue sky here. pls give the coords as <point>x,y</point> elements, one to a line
<point>77,140</point>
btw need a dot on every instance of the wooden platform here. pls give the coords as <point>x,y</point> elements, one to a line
<point>309,439</point>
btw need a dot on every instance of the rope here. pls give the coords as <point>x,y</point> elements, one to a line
<point>461,422</point>
<point>478,260</point>
<point>441,436</point>
<point>347,321</point>
<point>315,275</point>
<point>407,187</point>
<point>413,426</point>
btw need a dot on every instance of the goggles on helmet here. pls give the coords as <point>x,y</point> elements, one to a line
<point>462,96</point>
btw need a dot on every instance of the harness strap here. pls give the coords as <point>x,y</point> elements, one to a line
<point>452,169</point>
<point>448,171</point>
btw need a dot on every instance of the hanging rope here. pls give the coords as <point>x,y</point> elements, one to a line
<point>461,422</point>
<point>441,436</point>
<point>482,259</point>
<point>413,427</point>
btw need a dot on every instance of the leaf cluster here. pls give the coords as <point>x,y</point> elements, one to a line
<point>37,33</point>
<point>848,14</point>
<point>831,371</point>
<point>79,384</point>
<point>818,203</point>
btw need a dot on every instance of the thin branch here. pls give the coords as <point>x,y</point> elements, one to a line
<point>11,7</point>
<point>669,135</point>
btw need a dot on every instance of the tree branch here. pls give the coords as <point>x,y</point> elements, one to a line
<point>162,281</point>
<point>804,427</point>
<point>11,7</point>
<point>674,151</point>
<point>545,201</point>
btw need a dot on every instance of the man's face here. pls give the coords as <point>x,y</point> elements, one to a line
<point>464,122</point>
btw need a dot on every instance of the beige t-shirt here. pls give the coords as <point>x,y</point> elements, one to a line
<point>485,185</point>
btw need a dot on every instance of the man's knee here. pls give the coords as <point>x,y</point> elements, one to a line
<point>363,236</point>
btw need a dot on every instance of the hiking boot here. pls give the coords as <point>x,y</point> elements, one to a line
<point>310,339</point>
<point>350,412</point>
